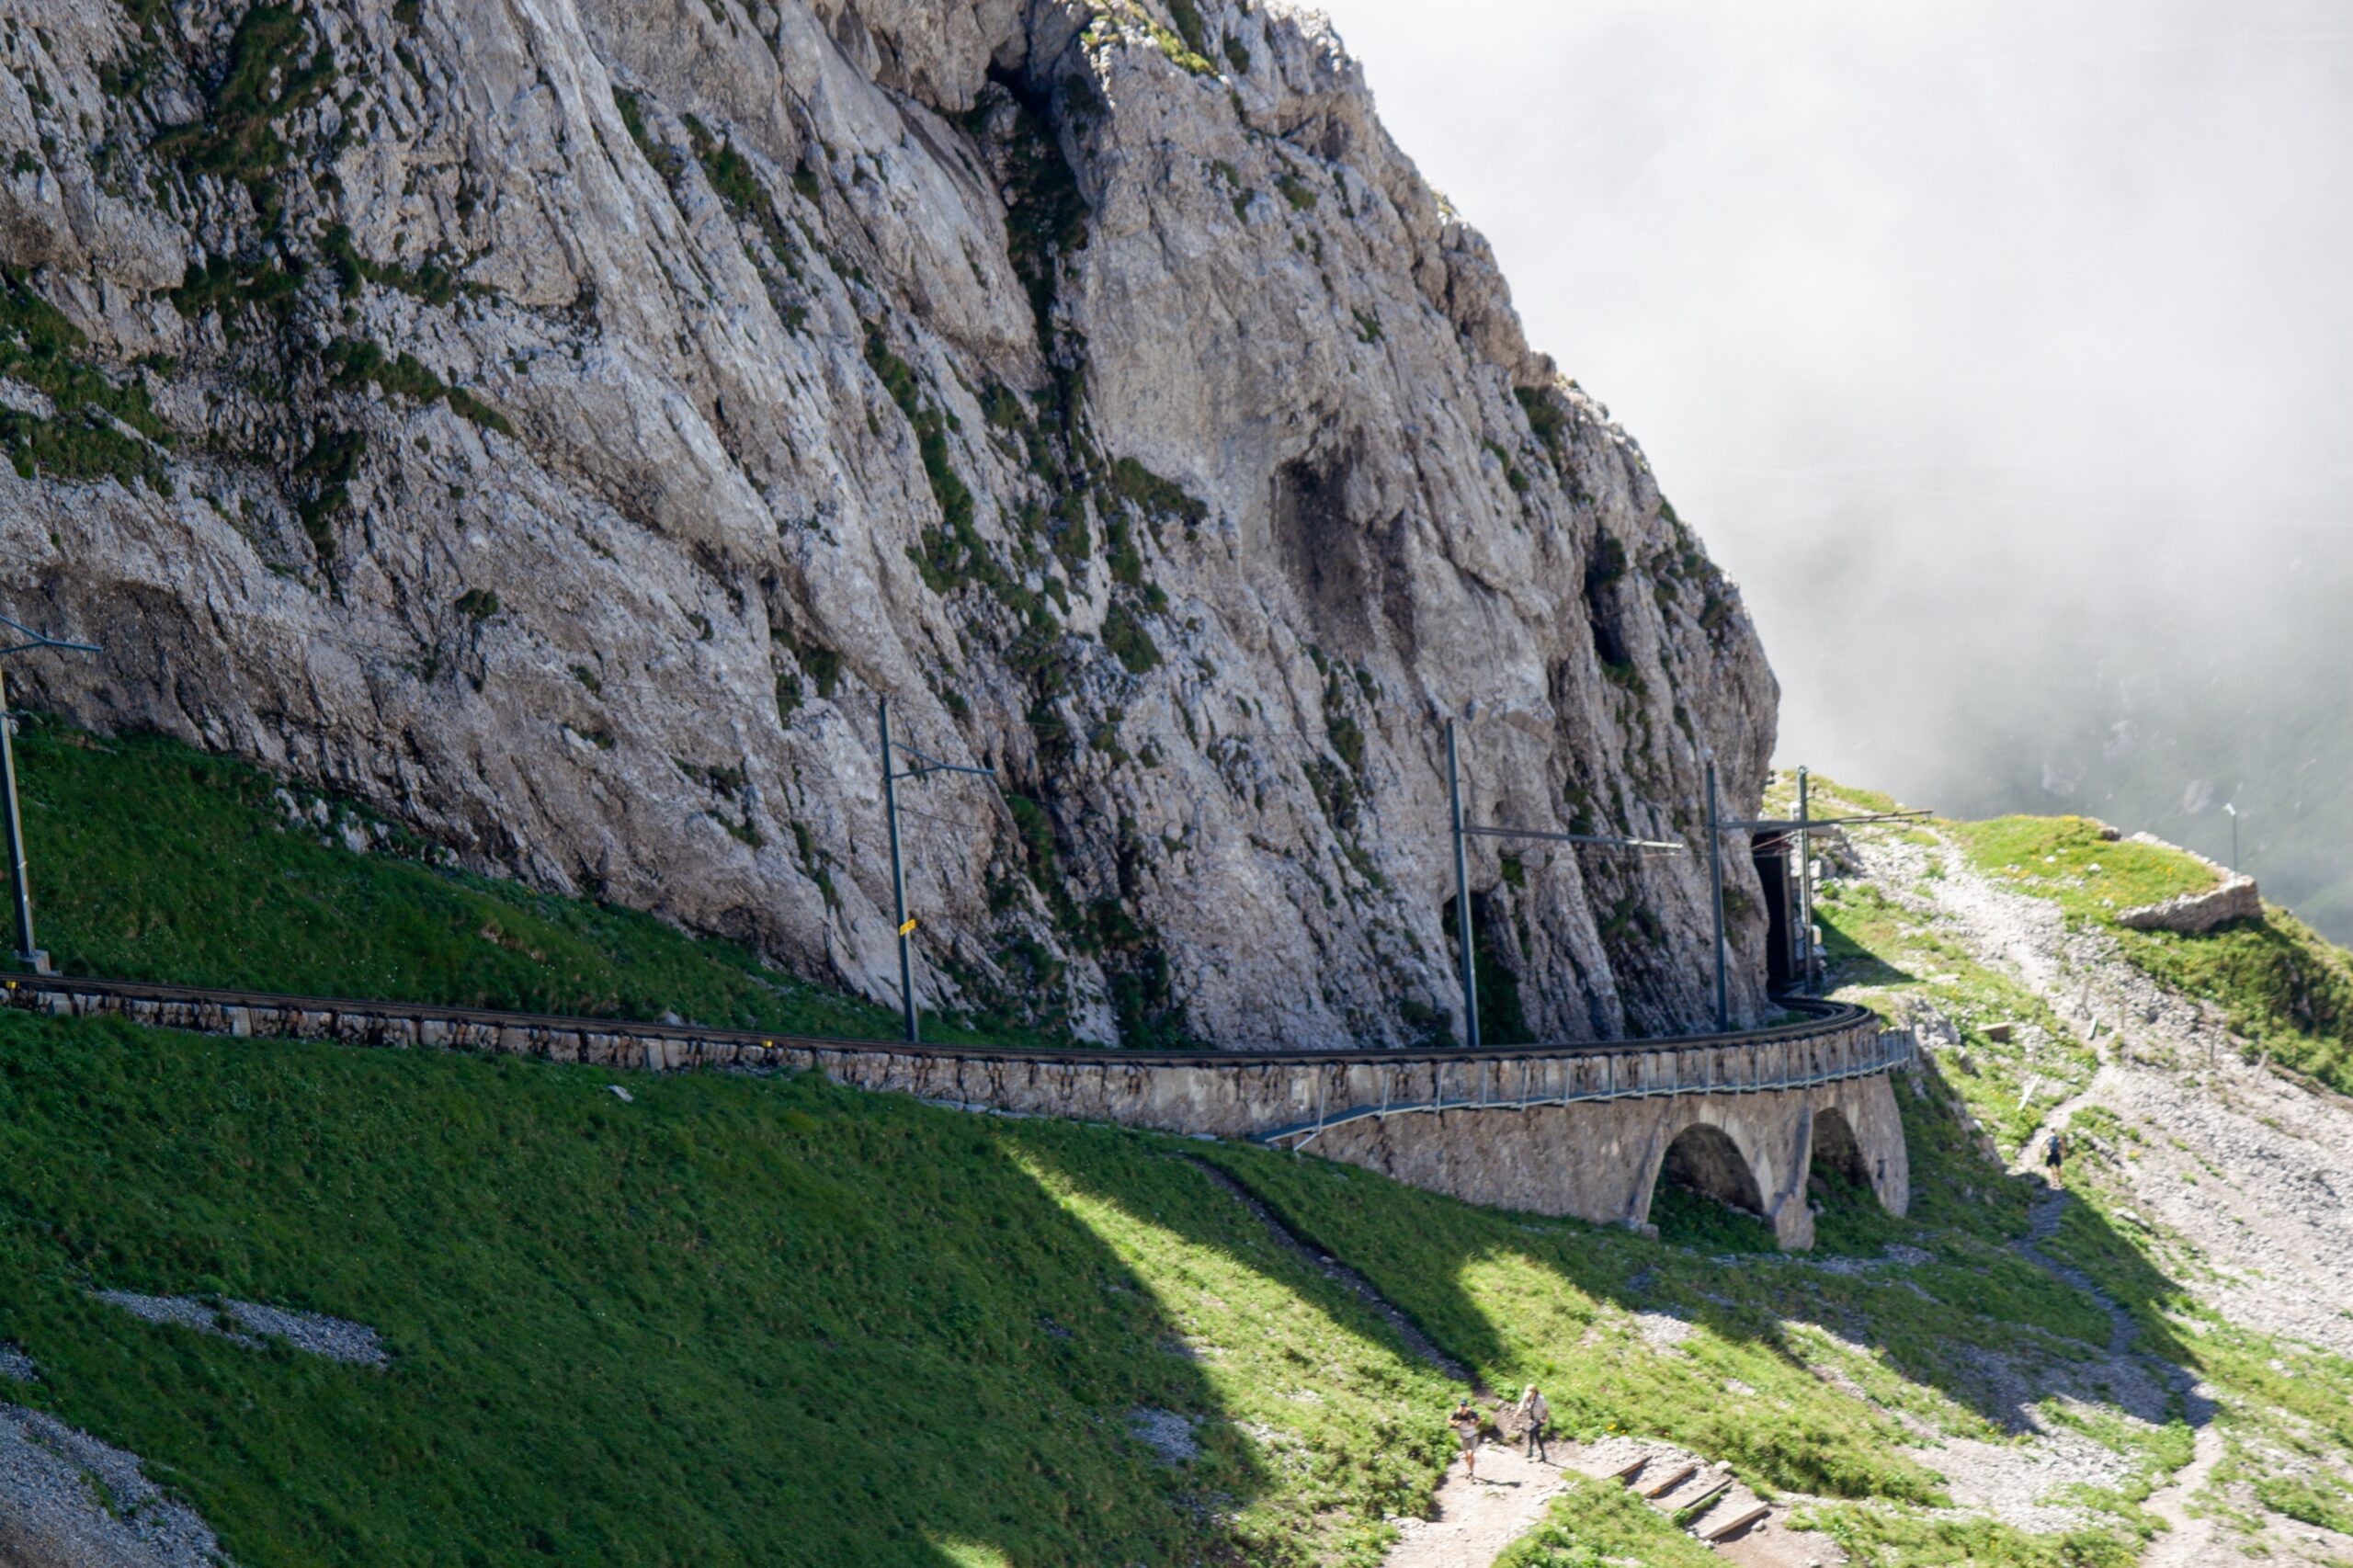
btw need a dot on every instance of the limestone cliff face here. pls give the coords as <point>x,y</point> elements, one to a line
<point>559,424</point>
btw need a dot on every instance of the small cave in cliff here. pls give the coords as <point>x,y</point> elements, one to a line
<point>1603,570</point>
<point>1498,956</point>
<point>1321,551</point>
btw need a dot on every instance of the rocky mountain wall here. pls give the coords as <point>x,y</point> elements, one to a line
<point>560,423</point>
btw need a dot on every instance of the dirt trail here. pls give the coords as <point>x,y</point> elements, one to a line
<point>1339,1273</point>
<point>1473,1521</point>
<point>2188,1540</point>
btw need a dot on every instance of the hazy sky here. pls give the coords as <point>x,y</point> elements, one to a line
<point>2004,353</point>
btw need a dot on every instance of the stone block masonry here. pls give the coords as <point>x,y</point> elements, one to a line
<point>1587,1131</point>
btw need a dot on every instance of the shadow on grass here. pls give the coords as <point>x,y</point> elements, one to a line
<point>1941,1297</point>
<point>732,1322</point>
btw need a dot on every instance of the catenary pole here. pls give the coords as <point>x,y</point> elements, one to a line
<point>1461,894</point>
<point>27,955</point>
<point>898,878</point>
<point>1805,884</point>
<point>1716,889</point>
<point>924,768</point>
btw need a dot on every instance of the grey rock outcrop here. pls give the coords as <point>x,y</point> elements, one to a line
<point>69,1501</point>
<point>557,426</point>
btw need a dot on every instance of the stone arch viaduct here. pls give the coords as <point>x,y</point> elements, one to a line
<point>1588,1129</point>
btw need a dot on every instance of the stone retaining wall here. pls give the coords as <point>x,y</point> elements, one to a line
<point>1597,1158</point>
<point>2194,913</point>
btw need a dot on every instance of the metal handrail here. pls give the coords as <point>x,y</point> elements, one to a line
<point>1894,1048</point>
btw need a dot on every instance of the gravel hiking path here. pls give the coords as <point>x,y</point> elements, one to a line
<point>2239,1169</point>
<point>1472,1521</point>
<point>2189,1539</point>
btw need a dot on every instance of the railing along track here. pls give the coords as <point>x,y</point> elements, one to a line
<point>1821,1048</point>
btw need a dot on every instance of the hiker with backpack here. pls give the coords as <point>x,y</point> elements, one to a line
<point>2052,1154</point>
<point>1534,1413</point>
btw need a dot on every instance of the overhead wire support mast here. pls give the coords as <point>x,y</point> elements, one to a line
<point>1809,969</point>
<point>925,765</point>
<point>1464,832</point>
<point>1716,898</point>
<point>27,955</point>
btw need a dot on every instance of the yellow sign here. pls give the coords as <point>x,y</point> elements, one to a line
<point>908,927</point>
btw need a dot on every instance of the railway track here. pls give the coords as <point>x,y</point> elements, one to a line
<point>215,1004</point>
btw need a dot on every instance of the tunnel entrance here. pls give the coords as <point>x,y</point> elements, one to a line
<point>1772,859</point>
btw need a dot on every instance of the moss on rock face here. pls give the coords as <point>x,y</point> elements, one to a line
<point>1045,211</point>
<point>327,469</point>
<point>404,376</point>
<point>97,427</point>
<point>1124,634</point>
<point>954,554</point>
<point>267,78</point>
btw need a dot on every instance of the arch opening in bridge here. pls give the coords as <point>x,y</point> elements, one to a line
<point>1837,1155</point>
<point>1704,1161</point>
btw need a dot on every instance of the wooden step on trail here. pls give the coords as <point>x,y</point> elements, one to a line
<point>1625,1473</point>
<point>1741,1518</point>
<point>1676,1476</point>
<point>1706,1498</point>
<point>1696,1500</point>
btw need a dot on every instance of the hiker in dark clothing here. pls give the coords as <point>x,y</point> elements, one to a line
<point>1465,1422</point>
<point>2052,1152</point>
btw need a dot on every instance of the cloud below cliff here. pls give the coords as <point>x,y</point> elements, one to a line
<point>2003,353</point>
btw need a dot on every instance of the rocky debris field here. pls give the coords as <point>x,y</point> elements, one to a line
<point>2235,1176</point>
<point>70,1501</point>
<point>252,1325</point>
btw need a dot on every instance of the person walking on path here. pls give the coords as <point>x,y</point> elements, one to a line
<point>1465,1422</point>
<point>1533,1414</point>
<point>2052,1152</point>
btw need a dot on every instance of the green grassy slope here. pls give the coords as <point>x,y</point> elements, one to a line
<point>738,1321</point>
<point>767,1320</point>
<point>154,862</point>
